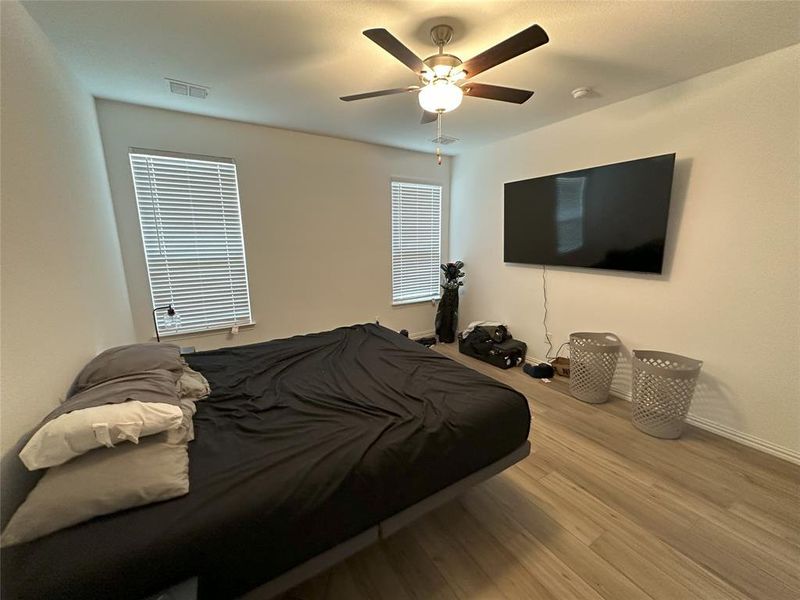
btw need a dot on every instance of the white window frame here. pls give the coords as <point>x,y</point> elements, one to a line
<point>240,301</point>
<point>435,291</point>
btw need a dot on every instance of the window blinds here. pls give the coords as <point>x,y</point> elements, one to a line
<point>416,241</point>
<point>192,233</point>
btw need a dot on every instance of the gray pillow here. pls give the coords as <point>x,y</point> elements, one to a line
<point>185,431</point>
<point>192,384</point>
<point>158,385</point>
<point>127,360</point>
<point>100,482</point>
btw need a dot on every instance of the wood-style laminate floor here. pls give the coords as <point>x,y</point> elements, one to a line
<point>598,511</point>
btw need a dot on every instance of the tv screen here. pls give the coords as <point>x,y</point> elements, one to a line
<point>609,217</point>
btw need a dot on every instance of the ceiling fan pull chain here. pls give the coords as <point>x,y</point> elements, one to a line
<point>438,137</point>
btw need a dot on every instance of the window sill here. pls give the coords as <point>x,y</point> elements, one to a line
<point>433,300</point>
<point>203,332</point>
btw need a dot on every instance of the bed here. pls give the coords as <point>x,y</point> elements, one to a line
<point>308,449</point>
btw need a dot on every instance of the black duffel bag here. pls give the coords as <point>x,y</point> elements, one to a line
<point>494,345</point>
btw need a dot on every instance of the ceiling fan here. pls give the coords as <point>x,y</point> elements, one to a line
<point>444,79</point>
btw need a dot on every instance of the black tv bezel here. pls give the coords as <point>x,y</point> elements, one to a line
<point>586,267</point>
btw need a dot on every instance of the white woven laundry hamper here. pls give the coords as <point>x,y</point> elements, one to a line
<point>593,360</point>
<point>663,386</point>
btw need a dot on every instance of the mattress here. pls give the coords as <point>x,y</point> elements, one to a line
<point>304,443</point>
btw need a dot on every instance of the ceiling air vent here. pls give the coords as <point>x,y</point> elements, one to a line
<point>444,140</point>
<point>183,88</point>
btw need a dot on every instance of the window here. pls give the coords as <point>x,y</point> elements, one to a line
<point>192,234</point>
<point>416,241</point>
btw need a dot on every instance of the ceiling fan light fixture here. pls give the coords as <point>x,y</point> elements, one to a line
<point>441,70</point>
<point>440,66</point>
<point>440,96</point>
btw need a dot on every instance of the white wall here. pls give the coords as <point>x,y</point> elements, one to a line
<point>729,294</point>
<point>316,220</point>
<point>63,288</point>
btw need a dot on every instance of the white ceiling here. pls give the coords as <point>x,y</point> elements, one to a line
<point>286,63</point>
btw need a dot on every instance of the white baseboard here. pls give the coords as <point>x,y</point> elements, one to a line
<point>793,456</point>
<point>746,439</point>
<point>532,360</point>
<point>418,334</point>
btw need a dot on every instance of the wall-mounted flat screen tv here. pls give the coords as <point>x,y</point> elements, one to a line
<point>609,217</point>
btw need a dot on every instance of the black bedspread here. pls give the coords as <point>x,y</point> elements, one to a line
<point>304,443</point>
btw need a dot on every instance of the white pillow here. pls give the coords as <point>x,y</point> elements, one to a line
<point>77,432</point>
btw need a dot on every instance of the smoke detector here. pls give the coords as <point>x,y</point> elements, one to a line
<point>581,92</point>
<point>184,88</point>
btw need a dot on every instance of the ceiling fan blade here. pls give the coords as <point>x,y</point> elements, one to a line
<point>428,117</point>
<point>395,47</point>
<point>528,39</point>
<point>496,92</point>
<point>411,88</point>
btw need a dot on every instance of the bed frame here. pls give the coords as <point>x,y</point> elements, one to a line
<point>314,566</point>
